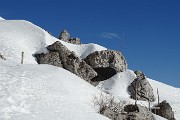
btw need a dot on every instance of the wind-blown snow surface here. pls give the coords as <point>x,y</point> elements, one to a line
<point>19,35</point>
<point>44,92</point>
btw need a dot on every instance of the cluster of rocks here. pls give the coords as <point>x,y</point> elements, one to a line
<point>165,110</point>
<point>140,88</point>
<point>60,56</point>
<point>131,112</point>
<point>65,36</point>
<point>97,66</point>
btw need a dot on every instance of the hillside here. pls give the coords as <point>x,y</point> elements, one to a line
<point>42,92</point>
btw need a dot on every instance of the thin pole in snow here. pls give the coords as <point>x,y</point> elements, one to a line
<point>22,57</point>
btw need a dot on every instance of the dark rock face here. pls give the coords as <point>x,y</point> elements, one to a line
<point>106,63</point>
<point>74,41</point>
<point>60,56</point>
<point>51,58</point>
<point>65,36</point>
<point>138,112</point>
<point>164,111</point>
<point>143,88</point>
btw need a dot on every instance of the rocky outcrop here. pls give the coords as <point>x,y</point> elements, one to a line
<point>106,63</point>
<point>110,114</point>
<point>142,87</point>
<point>138,112</point>
<point>74,41</point>
<point>65,36</point>
<point>60,56</point>
<point>113,115</point>
<point>131,112</point>
<point>165,110</point>
<point>51,58</point>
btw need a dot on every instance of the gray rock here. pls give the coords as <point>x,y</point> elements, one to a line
<point>110,114</point>
<point>143,88</point>
<point>69,60</point>
<point>106,63</point>
<point>65,36</point>
<point>131,112</point>
<point>164,111</point>
<point>74,41</point>
<point>138,112</point>
<point>51,58</point>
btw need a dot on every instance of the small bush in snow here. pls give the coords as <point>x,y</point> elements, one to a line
<point>103,102</point>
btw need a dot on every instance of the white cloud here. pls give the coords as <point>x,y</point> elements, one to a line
<point>109,35</point>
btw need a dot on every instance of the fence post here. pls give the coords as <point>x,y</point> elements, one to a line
<point>158,95</point>
<point>22,57</point>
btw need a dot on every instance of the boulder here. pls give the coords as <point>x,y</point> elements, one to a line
<point>138,112</point>
<point>164,111</point>
<point>110,114</point>
<point>65,36</point>
<point>106,63</point>
<point>113,115</point>
<point>60,56</point>
<point>51,58</point>
<point>142,87</point>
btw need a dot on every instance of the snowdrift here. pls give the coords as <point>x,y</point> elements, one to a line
<point>17,36</point>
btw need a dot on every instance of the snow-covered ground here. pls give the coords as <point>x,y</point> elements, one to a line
<point>43,92</point>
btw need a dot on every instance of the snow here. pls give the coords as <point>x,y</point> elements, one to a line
<point>17,36</point>
<point>1,18</point>
<point>44,92</point>
<point>117,86</point>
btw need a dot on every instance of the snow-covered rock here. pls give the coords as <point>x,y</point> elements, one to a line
<point>140,88</point>
<point>106,63</point>
<point>66,59</point>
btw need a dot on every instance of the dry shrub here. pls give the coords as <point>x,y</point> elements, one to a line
<point>103,102</point>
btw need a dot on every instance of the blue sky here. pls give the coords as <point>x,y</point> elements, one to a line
<point>151,28</point>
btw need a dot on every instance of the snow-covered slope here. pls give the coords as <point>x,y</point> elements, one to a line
<point>44,92</point>
<point>19,35</point>
<point>117,86</point>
